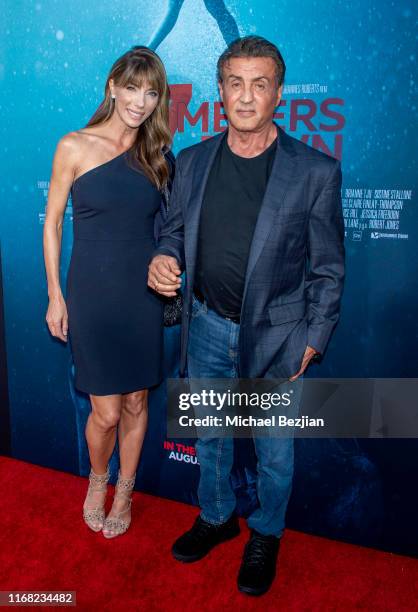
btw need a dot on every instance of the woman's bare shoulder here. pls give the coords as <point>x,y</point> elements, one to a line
<point>69,147</point>
<point>75,143</point>
<point>73,148</point>
<point>83,142</point>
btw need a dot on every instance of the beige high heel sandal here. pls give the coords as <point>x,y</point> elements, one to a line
<point>117,524</point>
<point>97,482</point>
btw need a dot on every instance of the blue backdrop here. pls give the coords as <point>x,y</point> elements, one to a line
<point>350,91</point>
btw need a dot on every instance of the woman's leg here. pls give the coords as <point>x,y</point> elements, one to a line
<point>101,437</point>
<point>132,428</point>
<point>101,429</point>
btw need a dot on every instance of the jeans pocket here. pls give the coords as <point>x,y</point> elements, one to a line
<point>197,307</point>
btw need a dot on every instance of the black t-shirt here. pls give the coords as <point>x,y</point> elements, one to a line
<point>232,200</point>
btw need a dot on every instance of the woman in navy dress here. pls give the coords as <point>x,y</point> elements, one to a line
<point>115,169</point>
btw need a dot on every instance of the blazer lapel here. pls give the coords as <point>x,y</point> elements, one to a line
<point>281,178</point>
<point>203,165</point>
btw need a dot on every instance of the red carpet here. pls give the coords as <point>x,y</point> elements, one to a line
<point>44,545</point>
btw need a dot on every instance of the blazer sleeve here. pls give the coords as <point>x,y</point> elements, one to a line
<point>326,255</point>
<point>161,215</point>
<point>171,235</point>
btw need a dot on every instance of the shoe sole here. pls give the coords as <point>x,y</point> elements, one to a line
<point>192,559</point>
<point>253,592</point>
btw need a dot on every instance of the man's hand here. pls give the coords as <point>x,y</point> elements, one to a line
<point>309,353</point>
<point>164,275</point>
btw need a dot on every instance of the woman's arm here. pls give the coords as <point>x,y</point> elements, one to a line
<point>61,180</point>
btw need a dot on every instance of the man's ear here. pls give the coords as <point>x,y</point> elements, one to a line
<point>279,95</point>
<point>221,91</point>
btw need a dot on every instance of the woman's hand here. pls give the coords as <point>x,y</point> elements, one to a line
<point>57,318</point>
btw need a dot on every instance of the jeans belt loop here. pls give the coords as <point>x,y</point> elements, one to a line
<point>200,298</point>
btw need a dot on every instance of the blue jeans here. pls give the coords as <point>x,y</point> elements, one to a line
<point>213,353</point>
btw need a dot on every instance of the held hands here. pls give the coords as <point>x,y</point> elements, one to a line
<point>164,275</point>
<point>309,354</point>
<point>57,318</point>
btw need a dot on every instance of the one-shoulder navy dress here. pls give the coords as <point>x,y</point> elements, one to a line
<point>115,321</point>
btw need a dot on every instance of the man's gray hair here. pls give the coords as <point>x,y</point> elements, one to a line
<point>252,46</point>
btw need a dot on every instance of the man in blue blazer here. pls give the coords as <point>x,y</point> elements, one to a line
<point>256,222</point>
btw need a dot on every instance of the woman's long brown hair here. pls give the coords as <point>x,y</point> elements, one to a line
<point>138,66</point>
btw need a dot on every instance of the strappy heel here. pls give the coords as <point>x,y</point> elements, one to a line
<point>97,482</point>
<point>117,524</point>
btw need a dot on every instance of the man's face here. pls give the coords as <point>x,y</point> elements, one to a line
<point>249,92</point>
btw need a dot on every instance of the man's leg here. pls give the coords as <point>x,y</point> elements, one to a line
<point>213,350</point>
<point>275,469</point>
<point>274,483</point>
<point>275,461</point>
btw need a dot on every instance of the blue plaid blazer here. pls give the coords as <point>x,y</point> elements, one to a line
<point>295,272</point>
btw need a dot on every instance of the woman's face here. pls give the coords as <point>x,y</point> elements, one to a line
<point>134,104</point>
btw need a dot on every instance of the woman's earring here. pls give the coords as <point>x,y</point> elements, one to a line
<point>113,97</point>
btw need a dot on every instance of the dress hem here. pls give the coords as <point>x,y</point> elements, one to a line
<point>128,389</point>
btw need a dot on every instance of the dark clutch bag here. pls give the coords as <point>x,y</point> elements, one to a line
<point>173,307</point>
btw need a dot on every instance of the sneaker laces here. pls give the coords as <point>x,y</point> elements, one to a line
<point>201,529</point>
<point>256,551</point>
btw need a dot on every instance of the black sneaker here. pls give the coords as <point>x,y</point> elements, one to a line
<point>202,537</point>
<point>258,567</point>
